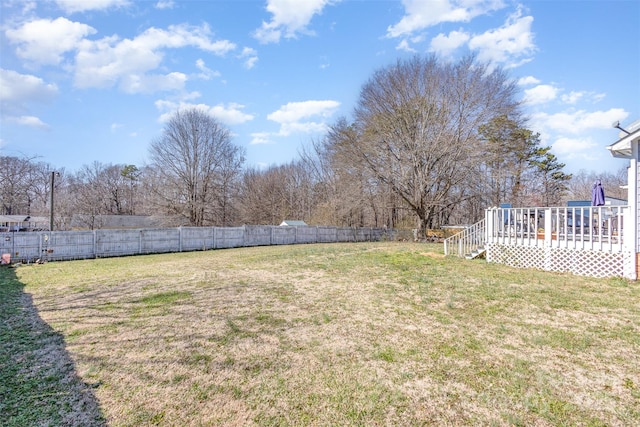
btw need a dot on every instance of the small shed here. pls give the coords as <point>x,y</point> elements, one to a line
<point>293,223</point>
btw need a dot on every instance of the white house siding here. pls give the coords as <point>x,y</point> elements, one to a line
<point>633,188</point>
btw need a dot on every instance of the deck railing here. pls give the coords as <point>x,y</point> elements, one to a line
<point>598,228</point>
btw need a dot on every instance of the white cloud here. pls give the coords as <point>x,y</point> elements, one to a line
<point>298,117</point>
<point>72,6</point>
<point>105,62</point>
<point>420,14</point>
<point>289,18</point>
<point>543,93</point>
<point>570,147</point>
<point>406,43</point>
<point>205,72</point>
<point>405,46</point>
<point>229,114</point>
<point>511,44</point>
<point>30,121</point>
<point>165,4</point>
<point>287,129</point>
<point>19,88</point>
<point>151,83</point>
<point>572,97</point>
<point>44,41</point>
<point>295,117</point>
<point>25,7</point>
<point>294,111</point>
<point>527,81</point>
<point>540,94</point>
<point>260,138</point>
<point>577,134</point>
<point>324,64</point>
<point>446,44</point>
<point>189,96</point>
<point>575,122</point>
<point>250,57</point>
<point>18,92</point>
<point>112,61</point>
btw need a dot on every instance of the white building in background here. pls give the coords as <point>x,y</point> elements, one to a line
<point>23,223</point>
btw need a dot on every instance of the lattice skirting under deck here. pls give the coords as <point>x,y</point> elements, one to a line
<point>579,262</point>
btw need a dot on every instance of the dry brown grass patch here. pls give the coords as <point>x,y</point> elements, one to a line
<point>362,334</point>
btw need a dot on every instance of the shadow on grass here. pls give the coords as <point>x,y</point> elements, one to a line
<point>38,380</point>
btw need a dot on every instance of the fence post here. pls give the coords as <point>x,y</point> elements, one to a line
<point>548,224</point>
<point>244,237</point>
<point>488,221</point>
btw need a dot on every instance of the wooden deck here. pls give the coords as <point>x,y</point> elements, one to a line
<point>585,228</point>
<point>589,241</point>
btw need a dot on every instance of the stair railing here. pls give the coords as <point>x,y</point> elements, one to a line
<point>467,241</point>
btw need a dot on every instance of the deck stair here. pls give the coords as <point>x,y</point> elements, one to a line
<point>470,243</point>
<point>476,253</point>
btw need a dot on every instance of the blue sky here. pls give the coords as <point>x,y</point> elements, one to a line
<point>94,80</point>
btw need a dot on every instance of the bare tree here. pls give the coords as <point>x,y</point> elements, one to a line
<point>581,184</point>
<point>227,188</point>
<point>191,158</point>
<point>95,194</point>
<point>17,181</point>
<point>318,163</point>
<point>416,129</point>
<point>99,189</point>
<point>277,193</point>
<point>261,196</point>
<point>24,186</point>
<point>350,194</point>
<point>131,174</point>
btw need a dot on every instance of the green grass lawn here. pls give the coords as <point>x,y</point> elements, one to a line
<point>366,334</point>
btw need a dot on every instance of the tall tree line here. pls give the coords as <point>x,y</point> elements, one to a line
<point>430,143</point>
<point>333,193</point>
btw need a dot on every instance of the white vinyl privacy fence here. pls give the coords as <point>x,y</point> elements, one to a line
<point>69,245</point>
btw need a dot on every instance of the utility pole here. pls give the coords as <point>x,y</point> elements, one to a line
<point>53,177</point>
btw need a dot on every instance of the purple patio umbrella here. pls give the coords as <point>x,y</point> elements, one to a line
<point>597,194</point>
